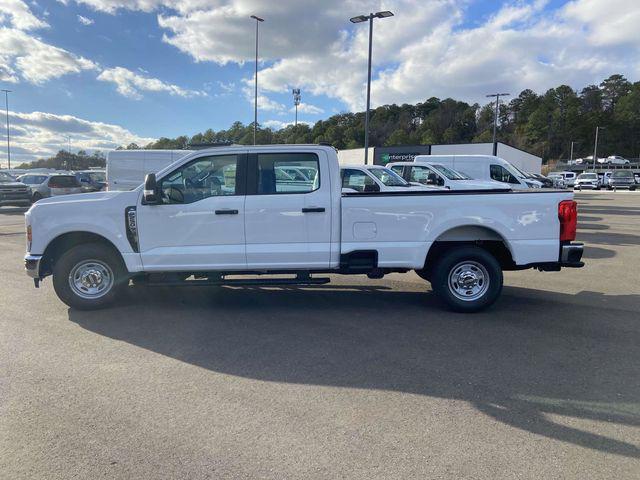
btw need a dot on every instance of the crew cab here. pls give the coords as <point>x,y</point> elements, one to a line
<point>226,212</point>
<point>438,175</point>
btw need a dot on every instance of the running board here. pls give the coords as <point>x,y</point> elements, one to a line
<point>236,281</point>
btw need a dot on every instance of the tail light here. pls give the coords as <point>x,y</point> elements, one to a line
<point>29,238</point>
<point>568,216</point>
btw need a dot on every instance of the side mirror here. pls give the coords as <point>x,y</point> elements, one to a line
<point>150,194</point>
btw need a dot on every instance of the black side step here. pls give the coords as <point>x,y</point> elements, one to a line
<point>237,281</point>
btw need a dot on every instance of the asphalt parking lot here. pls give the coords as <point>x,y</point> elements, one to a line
<point>355,379</point>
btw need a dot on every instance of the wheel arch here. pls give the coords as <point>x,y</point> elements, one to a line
<point>65,241</point>
<point>485,237</point>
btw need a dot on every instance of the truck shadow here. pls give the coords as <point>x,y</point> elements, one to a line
<point>534,355</point>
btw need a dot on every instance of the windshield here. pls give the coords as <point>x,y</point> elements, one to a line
<point>388,177</point>
<point>519,173</point>
<point>622,174</point>
<point>588,176</point>
<point>4,178</point>
<point>450,174</point>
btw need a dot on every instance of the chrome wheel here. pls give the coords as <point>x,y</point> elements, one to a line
<point>91,279</point>
<point>468,281</point>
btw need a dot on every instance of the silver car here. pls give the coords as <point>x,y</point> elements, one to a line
<point>45,185</point>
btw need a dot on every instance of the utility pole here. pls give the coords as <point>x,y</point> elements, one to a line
<point>296,102</point>
<point>6,106</point>
<point>360,19</point>
<point>571,154</point>
<point>255,100</point>
<point>595,147</point>
<point>495,118</point>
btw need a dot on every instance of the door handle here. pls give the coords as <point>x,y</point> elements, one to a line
<point>313,210</point>
<point>226,212</point>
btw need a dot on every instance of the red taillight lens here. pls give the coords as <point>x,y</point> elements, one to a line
<point>568,215</point>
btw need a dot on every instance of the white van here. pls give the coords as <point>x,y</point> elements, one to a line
<point>437,175</point>
<point>569,178</point>
<point>484,167</point>
<point>126,169</point>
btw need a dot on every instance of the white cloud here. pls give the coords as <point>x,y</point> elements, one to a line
<point>17,14</point>
<point>39,134</point>
<point>279,125</point>
<point>131,84</point>
<point>425,50</point>
<point>307,108</point>
<point>85,21</point>
<point>36,61</point>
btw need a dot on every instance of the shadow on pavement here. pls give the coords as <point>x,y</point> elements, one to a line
<point>13,210</point>
<point>533,354</point>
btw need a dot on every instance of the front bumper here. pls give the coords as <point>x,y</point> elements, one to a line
<point>32,265</point>
<point>571,255</point>
<point>15,200</point>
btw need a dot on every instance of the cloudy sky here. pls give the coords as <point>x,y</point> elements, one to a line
<point>110,72</point>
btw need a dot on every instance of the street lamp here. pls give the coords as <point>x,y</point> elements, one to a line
<point>360,19</point>
<point>571,154</point>
<point>255,99</point>
<point>296,102</point>
<point>495,118</point>
<point>595,147</point>
<point>6,106</point>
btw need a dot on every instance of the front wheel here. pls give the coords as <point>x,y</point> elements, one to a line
<point>467,279</point>
<point>89,276</point>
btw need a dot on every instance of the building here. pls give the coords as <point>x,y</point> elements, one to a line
<point>406,153</point>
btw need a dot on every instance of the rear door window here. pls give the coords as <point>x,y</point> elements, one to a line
<point>63,181</point>
<point>288,173</point>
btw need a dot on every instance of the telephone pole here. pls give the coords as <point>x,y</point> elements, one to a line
<point>6,106</point>
<point>495,118</point>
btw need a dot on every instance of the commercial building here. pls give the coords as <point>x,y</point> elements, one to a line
<point>406,153</point>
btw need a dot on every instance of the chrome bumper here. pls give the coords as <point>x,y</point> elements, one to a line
<point>571,255</point>
<point>32,265</point>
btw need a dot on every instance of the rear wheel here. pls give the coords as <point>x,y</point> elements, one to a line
<point>89,276</point>
<point>467,279</point>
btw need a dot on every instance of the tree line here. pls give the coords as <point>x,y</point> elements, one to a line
<point>543,124</point>
<point>65,160</point>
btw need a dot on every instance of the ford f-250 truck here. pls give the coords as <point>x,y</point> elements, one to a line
<point>229,212</point>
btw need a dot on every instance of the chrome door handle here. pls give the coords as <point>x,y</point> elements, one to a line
<point>313,210</point>
<point>226,212</point>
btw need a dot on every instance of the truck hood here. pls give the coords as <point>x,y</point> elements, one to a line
<point>478,185</point>
<point>87,197</point>
<point>11,185</point>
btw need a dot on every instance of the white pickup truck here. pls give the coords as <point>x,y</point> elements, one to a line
<point>226,212</point>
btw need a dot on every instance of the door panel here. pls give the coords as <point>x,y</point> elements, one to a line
<point>200,224</point>
<point>279,234</point>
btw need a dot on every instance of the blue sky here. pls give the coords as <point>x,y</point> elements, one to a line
<point>107,72</point>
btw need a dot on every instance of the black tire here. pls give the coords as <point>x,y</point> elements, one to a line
<point>424,274</point>
<point>36,197</point>
<point>105,259</point>
<point>632,188</point>
<point>478,259</point>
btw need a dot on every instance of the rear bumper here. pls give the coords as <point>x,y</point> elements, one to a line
<point>32,265</point>
<point>571,255</point>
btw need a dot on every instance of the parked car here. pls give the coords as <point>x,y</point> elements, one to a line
<point>437,175</point>
<point>569,178</point>
<point>557,179</point>
<point>13,193</point>
<point>374,178</point>
<point>614,160</point>
<point>181,222</point>
<point>483,167</point>
<point>587,180</point>
<point>622,179</point>
<point>49,185</point>
<point>545,181</point>
<point>92,180</point>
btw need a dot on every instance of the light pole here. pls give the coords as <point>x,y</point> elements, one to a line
<point>360,19</point>
<point>571,154</point>
<point>255,94</point>
<point>495,118</point>
<point>6,106</point>
<point>595,147</point>
<point>296,102</point>
<point>68,137</point>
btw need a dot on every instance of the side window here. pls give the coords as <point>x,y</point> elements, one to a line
<point>202,178</point>
<point>501,174</point>
<point>357,180</point>
<point>288,173</point>
<point>425,176</point>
